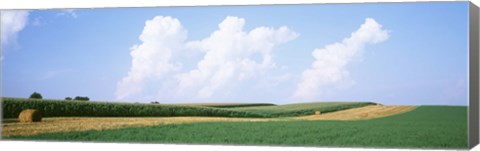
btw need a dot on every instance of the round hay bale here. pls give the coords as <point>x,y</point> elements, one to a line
<point>317,113</point>
<point>30,115</point>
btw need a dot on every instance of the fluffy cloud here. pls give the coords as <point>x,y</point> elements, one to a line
<point>330,66</point>
<point>231,55</point>
<point>228,56</point>
<point>161,38</point>
<point>12,22</point>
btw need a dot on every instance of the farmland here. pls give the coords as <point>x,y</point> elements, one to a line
<point>227,105</point>
<point>61,108</point>
<point>67,124</point>
<point>302,108</point>
<point>424,127</point>
<point>344,124</point>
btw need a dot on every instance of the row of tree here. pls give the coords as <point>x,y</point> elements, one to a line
<point>36,95</point>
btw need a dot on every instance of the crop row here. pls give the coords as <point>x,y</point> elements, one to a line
<point>11,107</point>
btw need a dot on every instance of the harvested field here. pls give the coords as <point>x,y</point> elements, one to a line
<point>361,113</point>
<point>67,124</point>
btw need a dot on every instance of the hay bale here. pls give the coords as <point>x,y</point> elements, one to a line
<point>30,115</point>
<point>317,112</point>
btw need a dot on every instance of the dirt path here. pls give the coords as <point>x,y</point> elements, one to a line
<point>67,124</point>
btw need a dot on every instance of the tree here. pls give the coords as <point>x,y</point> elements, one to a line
<point>155,102</point>
<point>36,95</point>
<point>68,98</point>
<point>81,98</point>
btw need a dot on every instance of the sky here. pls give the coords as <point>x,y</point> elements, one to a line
<point>390,53</point>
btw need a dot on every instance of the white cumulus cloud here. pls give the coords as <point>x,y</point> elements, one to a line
<point>12,22</point>
<point>228,55</point>
<point>330,66</point>
<point>231,55</point>
<point>161,38</point>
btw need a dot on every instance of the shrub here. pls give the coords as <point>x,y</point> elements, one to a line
<point>68,98</point>
<point>36,95</point>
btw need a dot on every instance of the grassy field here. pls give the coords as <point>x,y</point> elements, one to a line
<point>424,127</point>
<point>301,108</point>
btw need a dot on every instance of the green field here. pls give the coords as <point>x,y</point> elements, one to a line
<point>424,127</point>
<point>62,108</point>
<point>302,108</point>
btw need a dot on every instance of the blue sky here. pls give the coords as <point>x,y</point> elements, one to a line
<point>395,53</point>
